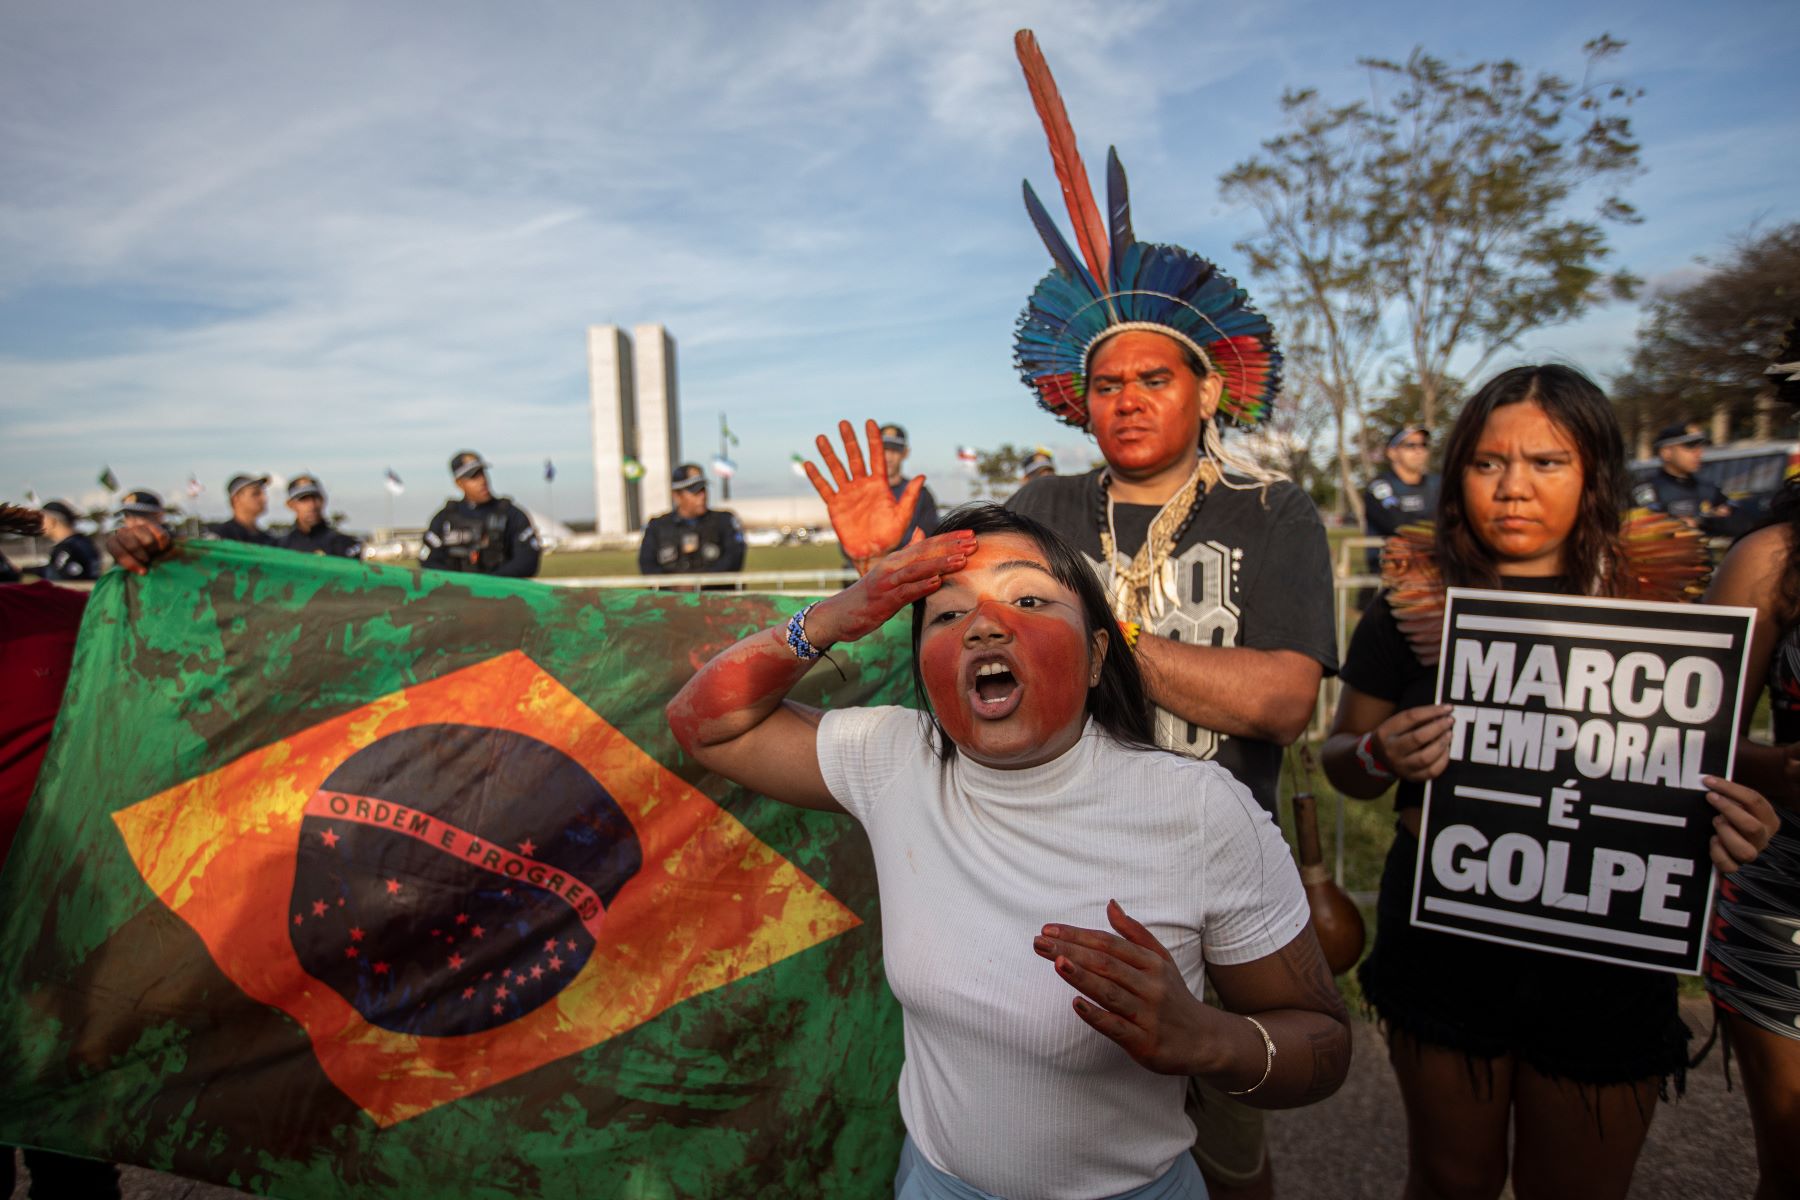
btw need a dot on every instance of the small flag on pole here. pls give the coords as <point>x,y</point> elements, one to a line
<point>798,462</point>
<point>723,467</point>
<point>967,454</point>
<point>108,480</point>
<point>549,471</point>
<point>394,486</point>
<point>31,496</point>
<point>194,486</point>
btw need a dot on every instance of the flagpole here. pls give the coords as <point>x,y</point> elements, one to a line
<point>724,433</point>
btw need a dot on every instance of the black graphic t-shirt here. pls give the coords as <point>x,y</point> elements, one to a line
<point>1252,571</point>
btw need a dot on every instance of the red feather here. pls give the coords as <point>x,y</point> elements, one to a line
<point>1090,229</point>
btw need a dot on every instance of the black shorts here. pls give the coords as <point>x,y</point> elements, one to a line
<point>1588,1022</point>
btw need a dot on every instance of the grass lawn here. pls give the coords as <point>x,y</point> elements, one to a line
<point>592,563</point>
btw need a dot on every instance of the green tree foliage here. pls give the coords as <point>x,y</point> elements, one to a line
<point>1308,187</point>
<point>1470,203</point>
<point>1704,347</point>
<point>1441,219</point>
<point>1000,470</point>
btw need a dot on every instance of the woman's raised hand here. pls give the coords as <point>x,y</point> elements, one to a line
<point>891,584</point>
<point>868,520</point>
<point>1416,741</point>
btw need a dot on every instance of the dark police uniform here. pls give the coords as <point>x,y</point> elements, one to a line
<point>677,545</point>
<point>230,531</point>
<point>322,539</point>
<point>495,538</point>
<point>73,558</point>
<point>1683,498</point>
<point>925,516</point>
<point>1389,503</point>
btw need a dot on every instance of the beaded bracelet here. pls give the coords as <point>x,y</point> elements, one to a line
<point>1371,765</point>
<point>796,635</point>
<point>1268,1060</point>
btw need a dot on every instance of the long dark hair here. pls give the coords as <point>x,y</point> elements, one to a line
<point>1119,703</point>
<point>1580,408</point>
<point>1785,510</point>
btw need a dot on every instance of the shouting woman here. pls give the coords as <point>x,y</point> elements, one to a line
<point>1053,886</point>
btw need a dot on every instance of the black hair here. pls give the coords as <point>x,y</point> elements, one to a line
<point>1581,410</point>
<point>1119,703</point>
<point>1784,509</point>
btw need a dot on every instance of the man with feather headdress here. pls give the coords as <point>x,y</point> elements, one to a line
<point>1218,572</point>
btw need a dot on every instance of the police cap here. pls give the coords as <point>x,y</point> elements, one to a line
<point>467,463</point>
<point>141,503</point>
<point>687,477</point>
<point>1682,433</point>
<point>302,486</point>
<point>238,483</point>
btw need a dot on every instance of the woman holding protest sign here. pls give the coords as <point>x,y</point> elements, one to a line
<point>1030,790</point>
<point>1569,1053</point>
<point>1753,957</point>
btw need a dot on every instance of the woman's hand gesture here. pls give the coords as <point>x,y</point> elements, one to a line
<point>868,520</point>
<point>894,582</point>
<point>1132,992</point>
<point>1415,742</point>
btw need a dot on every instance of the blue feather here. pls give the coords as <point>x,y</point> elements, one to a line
<point>1118,209</point>
<point>1060,251</point>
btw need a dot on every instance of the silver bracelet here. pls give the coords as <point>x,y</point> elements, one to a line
<point>1268,1062</point>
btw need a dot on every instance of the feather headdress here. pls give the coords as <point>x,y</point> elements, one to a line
<point>1666,559</point>
<point>1118,283</point>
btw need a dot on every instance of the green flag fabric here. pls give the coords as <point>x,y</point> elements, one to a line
<point>346,880</point>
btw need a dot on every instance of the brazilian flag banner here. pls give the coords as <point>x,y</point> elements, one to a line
<point>344,880</point>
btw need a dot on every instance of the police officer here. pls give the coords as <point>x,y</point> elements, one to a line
<point>481,532</point>
<point>894,449</point>
<point>1677,489</point>
<point>1404,492</point>
<point>73,556</point>
<point>140,509</point>
<point>249,499</point>
<point>693,538</point>
<point>312,533</point>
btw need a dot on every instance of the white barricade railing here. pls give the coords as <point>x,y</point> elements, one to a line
<point>821,580</point>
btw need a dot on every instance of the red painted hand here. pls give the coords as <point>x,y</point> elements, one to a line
<point>891,584</point>
<point>868,520</point>
<point>1132,992</point>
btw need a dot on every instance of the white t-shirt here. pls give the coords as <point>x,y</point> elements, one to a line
<point>1004,1086</point>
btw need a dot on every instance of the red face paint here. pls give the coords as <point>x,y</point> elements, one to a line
<point>1005,612</point>
<point>1144,402</point>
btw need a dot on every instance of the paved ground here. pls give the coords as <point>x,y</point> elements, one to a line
<point>1353,1146</point>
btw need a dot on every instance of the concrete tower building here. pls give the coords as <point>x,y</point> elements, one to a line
<point>633,410</point>
<point>612,408</point>
<point>658,416</point>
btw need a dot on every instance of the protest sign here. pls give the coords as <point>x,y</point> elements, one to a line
<point>1572,817</point>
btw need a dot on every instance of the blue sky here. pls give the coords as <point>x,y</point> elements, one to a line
<point>344,237</point>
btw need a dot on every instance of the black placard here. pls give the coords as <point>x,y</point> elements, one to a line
<point>1572,817</point>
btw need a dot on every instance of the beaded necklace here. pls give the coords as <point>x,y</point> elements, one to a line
<point>1139,589</point>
